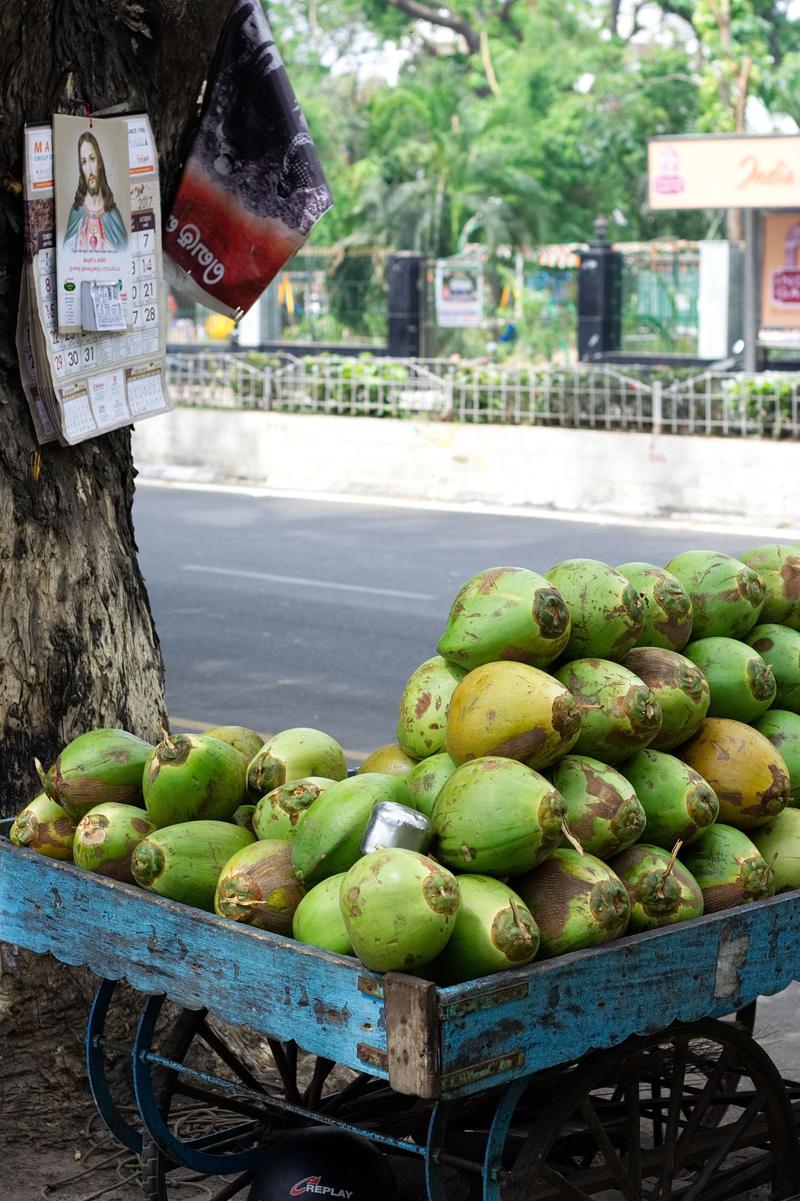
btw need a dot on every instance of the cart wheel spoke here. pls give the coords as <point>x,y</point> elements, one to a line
<point>722,1146</point>
<point>634,1119</point>
<point>231,1138</point>
<point>228,1057</point>
<point>285,1057</point>
<point>322,1070</point>
<point>352,1092</point>
<point>621,1177</point>
<point>568,1189</point>
<point>672,1133</point>
<point>219,1101</point>
<point>701,1106</point>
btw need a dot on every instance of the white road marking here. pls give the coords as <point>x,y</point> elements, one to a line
<point>733,527</point>
<point>306,583</point>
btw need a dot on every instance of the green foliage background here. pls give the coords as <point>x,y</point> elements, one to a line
<point>517,122</point>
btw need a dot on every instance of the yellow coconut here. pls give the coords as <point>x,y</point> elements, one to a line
<point>514,711</point>
<point>389,760</point>
<point>745,770</point>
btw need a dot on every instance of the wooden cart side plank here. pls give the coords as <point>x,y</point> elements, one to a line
<point>598,998</point>
<point>413,1035</point>
<point>275,985</point>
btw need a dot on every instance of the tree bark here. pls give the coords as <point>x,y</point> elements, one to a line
<point>78,648</point>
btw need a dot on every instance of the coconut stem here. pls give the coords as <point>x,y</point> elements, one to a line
<point>570,837</point>
<point>673,857</point>
<point>165,735</point>
<point>521,927</point>
<point>768,870</point>
<point>670,865</point>
<point>41,773</point>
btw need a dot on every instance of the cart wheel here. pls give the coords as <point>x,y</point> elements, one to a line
<point>632,1124</point>
<point>212,1101</point>
<point>95,1048</point>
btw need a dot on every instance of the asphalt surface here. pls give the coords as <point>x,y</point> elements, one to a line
<point>276,612</point>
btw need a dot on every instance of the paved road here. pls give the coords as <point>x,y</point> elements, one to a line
<point>278,612</point>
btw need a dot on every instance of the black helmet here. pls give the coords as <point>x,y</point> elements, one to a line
<point>321,1163</point>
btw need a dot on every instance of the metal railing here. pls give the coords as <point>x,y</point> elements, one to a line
<point>360,388</point>
<point>217,379</point>
<point>578,396</point>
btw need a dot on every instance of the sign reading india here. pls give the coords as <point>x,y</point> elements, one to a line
<point>724,171</point>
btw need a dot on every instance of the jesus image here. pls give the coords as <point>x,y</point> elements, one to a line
<point>94,222</point>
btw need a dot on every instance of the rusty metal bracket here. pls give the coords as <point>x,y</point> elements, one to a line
<point>479,1071</point>
<point>484,1000</point>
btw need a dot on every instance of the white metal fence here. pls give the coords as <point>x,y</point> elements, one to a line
<point>575,396</point>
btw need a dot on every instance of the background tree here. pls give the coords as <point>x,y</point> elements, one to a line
<point>523,122</point>
<point>78,648</point>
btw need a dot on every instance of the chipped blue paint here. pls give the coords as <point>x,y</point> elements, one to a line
<point>707,967</point>
<point>490,1031</point>
<point>276,985</point>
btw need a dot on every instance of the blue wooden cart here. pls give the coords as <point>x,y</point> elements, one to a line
<point>628,1071</point>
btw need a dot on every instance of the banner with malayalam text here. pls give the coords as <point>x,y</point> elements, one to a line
<point>252,187</point>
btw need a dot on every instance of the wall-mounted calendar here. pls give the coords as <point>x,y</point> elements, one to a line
<point>91,328</point>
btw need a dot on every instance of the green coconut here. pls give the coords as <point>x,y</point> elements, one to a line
<point>576,901</point>
<point>45,827</point>
<point>660,889</point>
<point>779,844</point>
<point>606,609</point>
<point>280,813</point>
<point>782,728</point>
<point>388,760</point>
<point>729,868</point>
<point>497,817</point>
<point>292,755</point>
<point>619,714</point>
<point>680,688</point>
<point>426,780</point>
<point>780,648</point>
<point>727,596</point>
<point>102,765</point>
<point>513,711</point>
<point>183,862</point>
<point>667,606</point>
<point>506,613</point>
<point>749,777</point>
<point>778,564</point>
<point>494,931</point>
<point>243,817</point>
<point>247,742</point>
<point>742,684</point>
<point>190,777</point>
<point>678,803</point>
<point>318,918</point>
<point>258,887</point>
<point>422,721</point>
<point>603,811</point>
<point>399,909</point>
<point>328,839</point>
<point>106,838</point>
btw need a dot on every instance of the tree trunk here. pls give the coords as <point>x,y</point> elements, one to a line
<point>78,648</point>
